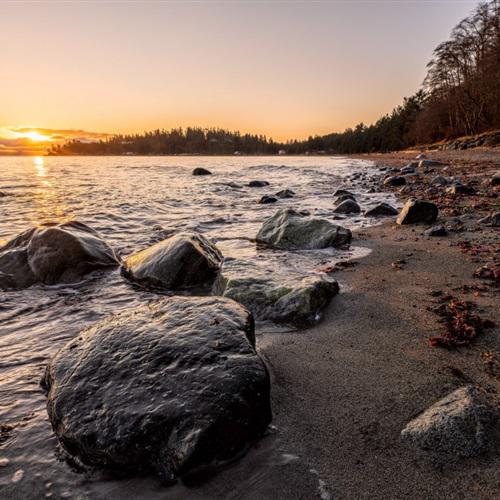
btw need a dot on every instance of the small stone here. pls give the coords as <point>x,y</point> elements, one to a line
<point>491,220</point>
<point>381,210</point>
<point>409,169</point>
<point>395,180</point>
<point>439,180</point>
<point>201,171</point>
<point>418,212</point>
<point>436,231</point>
<point>258,184</point>
<point>340,199</point>
<point>348,206</point>
<point>268,199</point>
<point>341,192</point>
<point>430,163</point>
<point>460,189</point>
<point>285,193</point>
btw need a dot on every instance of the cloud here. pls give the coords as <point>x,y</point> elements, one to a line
<point>12,141</point>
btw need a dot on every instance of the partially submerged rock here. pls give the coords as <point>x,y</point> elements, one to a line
<point>460,424</point>
<point>182,261</point>
<point>343,197</point>
<point>285,193</point>
<point>381,210</point>
<point>289,229</point>
<point>495,180</point>
<point>170,387</point>
<point>408,169</point>
<point>347,207</point>
<point>291,297</point>
<point>53,253</point>
<point>258,184</point>
<point>341,192</point>
<point>201,171</point>
<point>418,212</point>
<point>268,199</point>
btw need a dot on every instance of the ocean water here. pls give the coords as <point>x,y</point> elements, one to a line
<point>133,202</point>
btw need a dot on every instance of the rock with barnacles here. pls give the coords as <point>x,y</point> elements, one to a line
<point>270,295</point>
<point>171,387</point>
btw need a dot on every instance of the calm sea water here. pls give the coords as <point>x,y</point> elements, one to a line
<point>132,202</point>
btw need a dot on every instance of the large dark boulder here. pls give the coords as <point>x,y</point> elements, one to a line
<point>289,229</point>
<point>280,297</point>
<point>418,212</point>
<point>381,210</point>
<point>182,261</point>
<point>347,206</point>
<point>53,253</point>
<point>171,387</point>
<point>201,171</point>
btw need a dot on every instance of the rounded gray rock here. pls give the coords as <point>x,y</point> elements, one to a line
<point>53,253</point>
<point>288,229</point>
<point>347,207</point>
<point>381,210</point>
<point>182,261</point>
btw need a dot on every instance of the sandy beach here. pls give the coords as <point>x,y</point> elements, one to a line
<point>343,390</point>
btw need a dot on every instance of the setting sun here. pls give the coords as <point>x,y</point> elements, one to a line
<point>35,136</point>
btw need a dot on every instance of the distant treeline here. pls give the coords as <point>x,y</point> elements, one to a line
<point>460,96</point>
<point>173,142</point>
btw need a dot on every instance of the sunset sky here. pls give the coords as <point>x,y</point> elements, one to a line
<point>285,69</point>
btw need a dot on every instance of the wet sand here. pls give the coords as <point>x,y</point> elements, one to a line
<point>344,390</point>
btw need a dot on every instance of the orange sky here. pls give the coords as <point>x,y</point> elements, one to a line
<point>284,69</point>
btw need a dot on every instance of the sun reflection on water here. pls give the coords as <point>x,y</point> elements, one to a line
<point>46,199</point>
